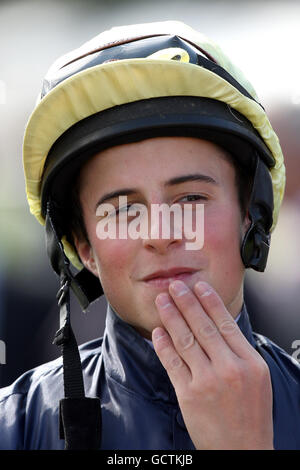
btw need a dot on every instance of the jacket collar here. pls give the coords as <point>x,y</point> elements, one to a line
<point>133,363</point>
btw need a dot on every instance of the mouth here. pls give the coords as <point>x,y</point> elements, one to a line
<point>163,281</point>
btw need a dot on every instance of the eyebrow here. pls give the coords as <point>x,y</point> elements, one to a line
<point>172,182</point>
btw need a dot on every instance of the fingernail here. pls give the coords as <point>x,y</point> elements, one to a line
<point>178,288</point>
<point>163,300</point>
<point>202,289</point>
<point>157,334</point>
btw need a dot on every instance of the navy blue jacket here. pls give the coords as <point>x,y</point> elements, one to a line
<point>139,405</point>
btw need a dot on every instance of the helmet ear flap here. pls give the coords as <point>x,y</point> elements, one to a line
<point>255,248</point>
<point>256,242</point>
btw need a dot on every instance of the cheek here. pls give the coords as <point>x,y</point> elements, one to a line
<point>222,248</point>
<point>114,259</point>
<point>115,263</point>
<point>111,254</point>
<point>221,232</point>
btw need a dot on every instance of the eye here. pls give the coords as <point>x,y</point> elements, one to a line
<point>195,197</point>
<point>122,209</point>
<point>133,206</point>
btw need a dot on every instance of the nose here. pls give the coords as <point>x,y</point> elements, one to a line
<point>163,231</point>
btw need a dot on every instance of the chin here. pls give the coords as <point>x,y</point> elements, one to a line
<point>147,321</point>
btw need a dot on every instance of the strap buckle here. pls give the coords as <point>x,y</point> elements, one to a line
<point>63,334</point>
<point>62,292</point>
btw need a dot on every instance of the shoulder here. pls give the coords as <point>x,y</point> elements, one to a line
<point>275,355</point>
<point>50,370</point>
<point>46,377</point>
<point>35,393</point>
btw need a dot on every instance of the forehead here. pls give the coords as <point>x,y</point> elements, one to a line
<point>157,159</point>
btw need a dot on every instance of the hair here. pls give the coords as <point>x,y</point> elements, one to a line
<point>75,222</point>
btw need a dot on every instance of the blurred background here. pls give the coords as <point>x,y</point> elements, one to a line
<point>261,37</point>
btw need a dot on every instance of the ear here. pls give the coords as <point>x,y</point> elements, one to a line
<point>86,254</point>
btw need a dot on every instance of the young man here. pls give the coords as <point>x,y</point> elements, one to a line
<point>157,115</point>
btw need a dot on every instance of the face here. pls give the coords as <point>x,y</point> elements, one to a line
<point>147,168</point>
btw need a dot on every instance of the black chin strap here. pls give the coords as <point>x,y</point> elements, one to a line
<point>80,417</point>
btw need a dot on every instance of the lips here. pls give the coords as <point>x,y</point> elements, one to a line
<point>173,272</point>
<point>162,278</point>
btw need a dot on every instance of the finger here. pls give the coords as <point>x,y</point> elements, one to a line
<point>227,326</point>
<point>176,368</point>
<point>182,336</point>
<point>203,327</point>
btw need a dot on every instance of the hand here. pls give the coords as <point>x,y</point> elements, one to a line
<point>222,384</point>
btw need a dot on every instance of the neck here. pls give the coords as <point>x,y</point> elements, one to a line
<point>235,307</point>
